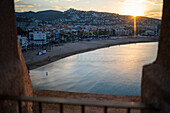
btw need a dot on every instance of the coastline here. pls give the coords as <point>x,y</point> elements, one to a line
<point>69,49</point>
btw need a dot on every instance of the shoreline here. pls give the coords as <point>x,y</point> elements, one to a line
<point>70,49</point>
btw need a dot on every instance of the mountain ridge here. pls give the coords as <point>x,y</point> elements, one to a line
<point>79,17</point>
<point>71,9</point>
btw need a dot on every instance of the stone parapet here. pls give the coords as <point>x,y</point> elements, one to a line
<point>14,77</point>
<point>156,76</point>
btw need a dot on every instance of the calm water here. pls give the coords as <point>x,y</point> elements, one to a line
<point>115,70</point>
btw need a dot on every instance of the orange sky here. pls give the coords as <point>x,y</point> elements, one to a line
<point>149,8</point>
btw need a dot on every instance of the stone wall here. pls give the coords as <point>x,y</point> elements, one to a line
<point>156,76</point>
<point>15,80</point>
<point>14,77</point>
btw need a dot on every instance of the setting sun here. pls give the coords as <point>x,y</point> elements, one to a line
<point>135,10</point>
<point>133,7</point>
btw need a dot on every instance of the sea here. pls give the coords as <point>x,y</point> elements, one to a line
<point>115,70</point>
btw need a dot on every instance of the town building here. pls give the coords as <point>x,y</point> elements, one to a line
<point>57,36</point>
<point>122,32</point>
<point>38,38</point>
<point>23,42</point>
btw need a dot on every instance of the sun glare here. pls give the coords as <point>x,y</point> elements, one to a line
<point>134,10</point>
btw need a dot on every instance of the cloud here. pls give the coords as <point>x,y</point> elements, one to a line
<point>155,13</point>
<point>71,0</point>
<point>29,5</point>
<point>16,1</point>
<point>131,1</point>
<point>53,1</point>
<point>155,2</point>
<point>155,10</point>
<point>56,7</point>
<point>20,9</point>
<point>24,4</point>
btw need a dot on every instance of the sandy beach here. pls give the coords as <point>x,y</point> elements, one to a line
<point>58,52</point>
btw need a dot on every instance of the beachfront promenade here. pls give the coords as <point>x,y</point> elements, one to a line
<point>57,52</point>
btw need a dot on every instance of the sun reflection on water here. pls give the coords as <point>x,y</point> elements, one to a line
<point>114,70</point>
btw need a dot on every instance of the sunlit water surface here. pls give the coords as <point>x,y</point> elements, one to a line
<point>115,70</point>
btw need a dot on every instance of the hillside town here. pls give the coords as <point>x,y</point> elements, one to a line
<point>35,32</point>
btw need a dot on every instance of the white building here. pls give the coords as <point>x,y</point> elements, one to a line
<point>122,32</point>
<point>23,42</point>
<point>38,37</point>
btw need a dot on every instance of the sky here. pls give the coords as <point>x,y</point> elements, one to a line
<point>148,8</point>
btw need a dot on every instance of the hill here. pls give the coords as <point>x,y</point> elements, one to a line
<point>77,17</point>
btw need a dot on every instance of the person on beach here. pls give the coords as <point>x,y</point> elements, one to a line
<point>49,58</point>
